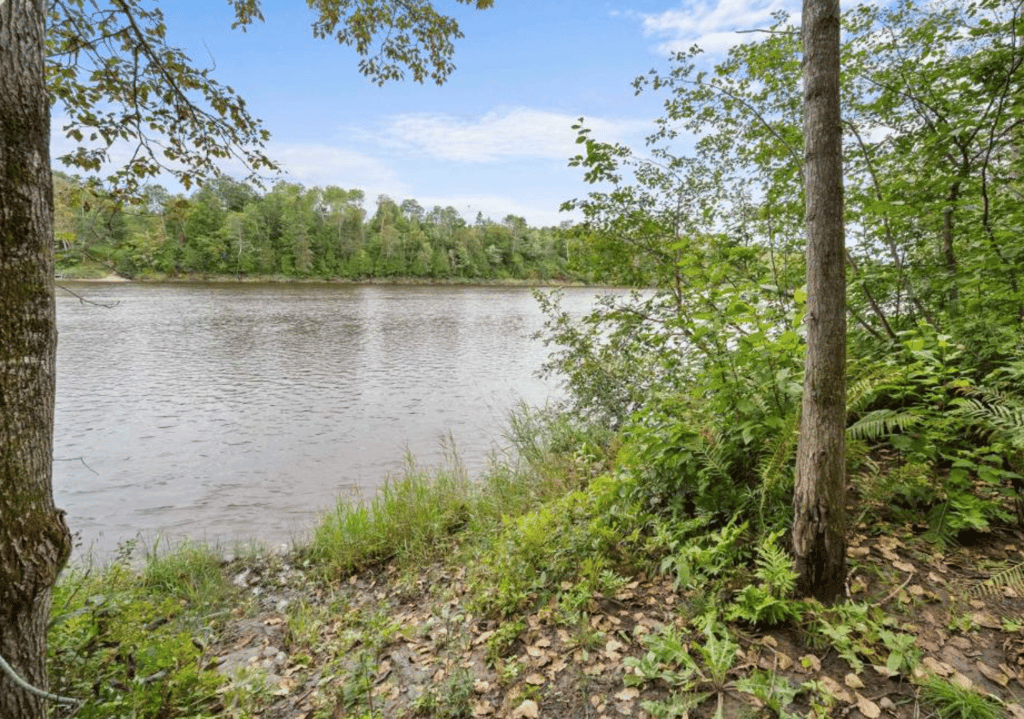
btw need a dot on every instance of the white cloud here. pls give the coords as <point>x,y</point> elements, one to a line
<point>320,165</point>
<point>713,25</point>
<point>499,134</point>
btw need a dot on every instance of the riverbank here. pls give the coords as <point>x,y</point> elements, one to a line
<point>539,592</point>
<point>103,275</point>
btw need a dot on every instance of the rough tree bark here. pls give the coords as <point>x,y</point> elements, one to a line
<point>34,539</point>
<point>819,498</point>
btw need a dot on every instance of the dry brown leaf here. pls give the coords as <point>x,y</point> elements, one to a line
<point>1016,711</point>
<point>867,707</point>
<point>527,710</point>
<point>853,681</point>
<point>482,708</point>
<point>984,619</point>
<point>481,687</point>
<point>536,679</point>
<point>628,694</point>
<point>904,566</point>
<point>784,661</point>
<point>890,543</point>
<point>809,661</point>
<point>961,681</point>
<point>858,551</point>
<point>835,689</point>
<point>936,667</point>
<point>611,650</point>
<point>993,674</point>
<point>483,638</point>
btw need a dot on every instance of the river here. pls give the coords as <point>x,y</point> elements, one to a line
<point>236,412</point>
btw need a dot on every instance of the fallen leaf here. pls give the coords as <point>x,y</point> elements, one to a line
<point>961,681</point>
<point>527,710</point>
<point>904,566</point>
<point>809,661</point>
<point>936,667</point>
<point>628,694</point>
<point>835,689</point>
<point>993,674</point>
<point>853,681</point>
<point>536,679</point>
<point>1015,710</point>
<point>868,708</point>
<point>482,708</point>
<point>984,619</point>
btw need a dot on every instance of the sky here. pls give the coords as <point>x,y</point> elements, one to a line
<point>496,138</point>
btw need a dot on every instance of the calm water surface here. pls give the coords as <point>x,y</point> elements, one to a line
<point>230,412</point>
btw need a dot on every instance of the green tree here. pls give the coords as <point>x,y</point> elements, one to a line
<point>109,67</point>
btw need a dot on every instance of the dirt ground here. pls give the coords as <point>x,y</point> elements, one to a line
<point>963,606</point>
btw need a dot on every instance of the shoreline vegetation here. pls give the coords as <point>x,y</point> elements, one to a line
<point>115,278</point>
<point>539,589</point>
<point>226,229</point>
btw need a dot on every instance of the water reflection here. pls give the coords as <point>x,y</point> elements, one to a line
<point>233,411</point>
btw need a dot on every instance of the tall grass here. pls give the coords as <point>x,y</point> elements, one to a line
<point>422,514</point>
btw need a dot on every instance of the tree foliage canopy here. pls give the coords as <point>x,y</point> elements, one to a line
<point>704,373</point>
<point>115,78</point>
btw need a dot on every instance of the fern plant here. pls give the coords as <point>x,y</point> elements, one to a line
<point>768,602</point>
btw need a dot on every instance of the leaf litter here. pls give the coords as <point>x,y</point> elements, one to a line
<point>433,655</point>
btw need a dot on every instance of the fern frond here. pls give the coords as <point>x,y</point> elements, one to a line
<point>1012,577</point>
<point>993,412</point>
<point>779,454</point>
<point>882,423</point>
<point>714,454</point>
<point>863,388</point>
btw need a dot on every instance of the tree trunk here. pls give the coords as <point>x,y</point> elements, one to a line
<point>819,531</point>
<point>34,540</point>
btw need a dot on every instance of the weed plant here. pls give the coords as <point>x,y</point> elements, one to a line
<point>131,642</point>
<point>950,701</point>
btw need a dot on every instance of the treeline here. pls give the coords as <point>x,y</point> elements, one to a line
<point>227,228</point>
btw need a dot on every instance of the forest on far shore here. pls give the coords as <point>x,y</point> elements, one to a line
<point>228,228</point>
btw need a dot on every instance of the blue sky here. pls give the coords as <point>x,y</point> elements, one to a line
<point>497,136</point>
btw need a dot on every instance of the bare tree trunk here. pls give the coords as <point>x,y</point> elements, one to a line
<point>34,540</point>
<point>819,523</point>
